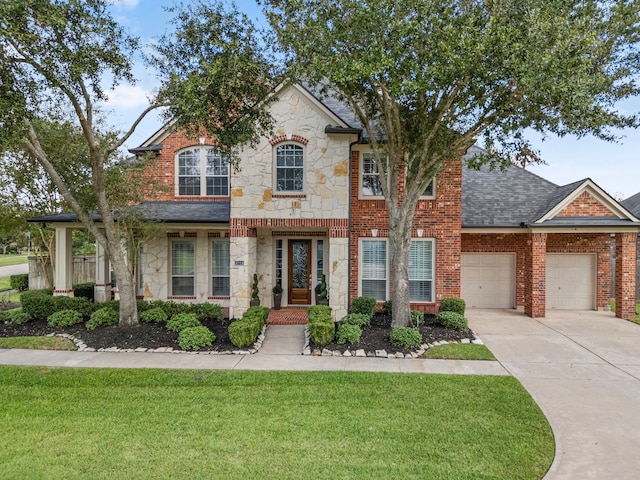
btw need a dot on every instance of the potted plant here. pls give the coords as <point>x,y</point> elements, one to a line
<point>255,299</point>
<point>322,296</point>
<point>277,296</point>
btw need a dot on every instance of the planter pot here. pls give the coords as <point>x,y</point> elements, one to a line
<point>277,301</point>
<point>254,303</point>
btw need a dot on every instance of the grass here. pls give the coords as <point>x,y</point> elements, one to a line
<point>6,260</point>
<point>459,351</point>
<point>38,343</point>
<point>5,283</point>
<point>95,423</point>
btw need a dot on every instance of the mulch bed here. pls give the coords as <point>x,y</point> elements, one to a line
<point>376,337</point>
<point>153,335</point>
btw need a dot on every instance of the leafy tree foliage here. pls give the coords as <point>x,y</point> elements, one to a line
<point>427,78</point>
<point>64,56</point>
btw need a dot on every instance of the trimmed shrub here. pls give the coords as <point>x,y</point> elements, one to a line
<point>405,337</point>
<point>453,320</point>
<point>64,318</point>
<point>348,333</point>
<point>365,305</point>
<point>180,321</point>
<point>112,304</point>
<point>103,317</point>
<point>156,315</point>
<point>244,332</point>
<point>318,313</point>
<point>143,306</point>
<point>38,304</point>
<point>15,317</point>
<point>207,311</point>
<point>84,290</point>
<point>387,308</point>
<point>19,282</point>
<point>322,333</point>
<point>262,313</point>
<point>80,304</point>
<point>194,338</point>
<point>359,319</point>
<point>453,304</point>
<point>417,318</point>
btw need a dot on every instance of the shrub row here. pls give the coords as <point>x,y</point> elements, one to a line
<point>245,331</point>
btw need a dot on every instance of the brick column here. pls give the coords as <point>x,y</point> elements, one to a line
<point>625,275</point>
<point>535,282</point>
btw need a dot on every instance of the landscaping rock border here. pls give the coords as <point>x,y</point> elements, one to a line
<point>82,347</point>
<point>308,350</point>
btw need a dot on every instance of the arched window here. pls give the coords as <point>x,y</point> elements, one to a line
<point>289,168</point>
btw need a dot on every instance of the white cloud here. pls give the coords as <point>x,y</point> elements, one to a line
<point>125,4</point>
<point>128,96</point>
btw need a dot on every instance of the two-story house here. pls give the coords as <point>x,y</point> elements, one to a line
<point>307,202</point>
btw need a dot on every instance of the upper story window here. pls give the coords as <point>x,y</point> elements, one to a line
<point>371,186</point>
<point>289,168</point>
<point>202,171</point>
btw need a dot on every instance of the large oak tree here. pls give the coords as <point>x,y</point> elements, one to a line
<point>427,78</point>
<point>65,56</point>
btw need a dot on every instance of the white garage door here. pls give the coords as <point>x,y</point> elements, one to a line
<point>571,281</point>
<point>488,280</point>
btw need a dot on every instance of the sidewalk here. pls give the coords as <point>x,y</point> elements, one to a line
<point>281,350</point>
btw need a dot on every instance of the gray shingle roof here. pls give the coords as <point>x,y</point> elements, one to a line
<point>167,212</point>
<point>497,198</point>
<point>632,204</point>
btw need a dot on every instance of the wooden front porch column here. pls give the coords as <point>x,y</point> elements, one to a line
<point>64,263</point>
<point>626,275</point>
<point>535,282</point>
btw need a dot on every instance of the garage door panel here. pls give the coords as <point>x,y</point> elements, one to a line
<point>570,281</point>
<point>488,280</point>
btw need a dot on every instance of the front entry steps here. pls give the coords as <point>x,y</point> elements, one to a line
<point>288,316</point>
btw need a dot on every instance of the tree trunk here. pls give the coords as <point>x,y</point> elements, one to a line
<point>124,277</point>
<point>400,223</point>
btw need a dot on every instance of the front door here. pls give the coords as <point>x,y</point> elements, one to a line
<point>299,272</point>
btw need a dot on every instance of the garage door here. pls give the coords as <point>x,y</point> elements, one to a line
<point>571,281</point>
<point>488,280</point>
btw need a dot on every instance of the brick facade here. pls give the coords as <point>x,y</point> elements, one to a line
<point>625,274</point>
<point>585,206</point>
<point>531,249</point>
<point>439,218</point>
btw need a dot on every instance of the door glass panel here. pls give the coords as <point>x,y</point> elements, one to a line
<point>300,274</point>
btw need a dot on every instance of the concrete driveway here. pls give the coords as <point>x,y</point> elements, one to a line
<point>14,270</point>
<point>583,370</point>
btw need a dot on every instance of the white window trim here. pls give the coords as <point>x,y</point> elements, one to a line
<point>433,270</point>
<point>211,275</point>
<point>275,169</point>
<point>171,274</point>
<point>202,151</point>
<point>361,195</point>
<point>360,263</point>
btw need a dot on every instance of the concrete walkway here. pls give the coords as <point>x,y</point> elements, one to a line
<point>583,370</point>
<point>281,350</point>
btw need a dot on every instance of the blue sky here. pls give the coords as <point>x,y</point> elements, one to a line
<point>613,166</point>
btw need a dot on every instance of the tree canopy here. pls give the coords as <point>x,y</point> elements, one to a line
<point>428,78</point>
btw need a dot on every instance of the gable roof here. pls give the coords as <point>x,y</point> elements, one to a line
<point>515,197</point>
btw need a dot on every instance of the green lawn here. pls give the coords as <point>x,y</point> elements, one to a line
<point>6,260</point>
<point>92,423</point>
<point>38,343</point>
<point>460,351</point>
<point>5,283</point>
